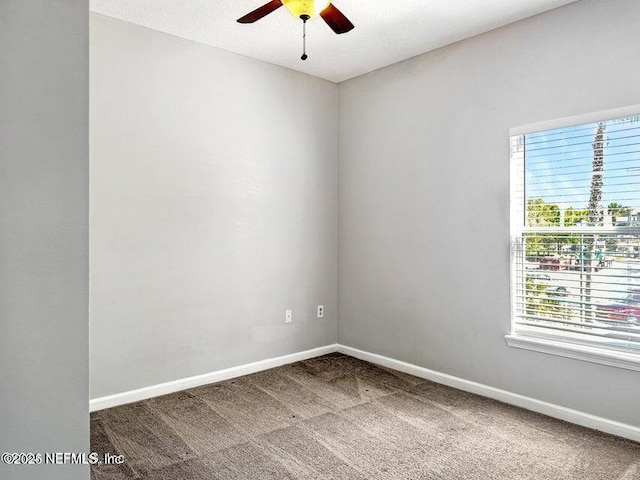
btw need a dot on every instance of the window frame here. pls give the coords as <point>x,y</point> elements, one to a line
<point>557,346</point>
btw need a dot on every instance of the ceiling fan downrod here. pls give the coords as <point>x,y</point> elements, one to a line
<point>304,36</point>
<point>304,10</point>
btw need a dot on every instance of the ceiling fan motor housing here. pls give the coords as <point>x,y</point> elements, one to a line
<point>312,8</point>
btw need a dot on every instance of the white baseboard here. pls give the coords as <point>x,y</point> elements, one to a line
<point>567,414</point>
<point>204,379</point>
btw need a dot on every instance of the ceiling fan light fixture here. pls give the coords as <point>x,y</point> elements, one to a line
<point>305,10</point>
<point>312,8</point>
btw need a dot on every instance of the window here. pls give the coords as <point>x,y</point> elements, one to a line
<point>575,223</point>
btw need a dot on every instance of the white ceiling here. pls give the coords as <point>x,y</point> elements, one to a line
<point>386,31</point>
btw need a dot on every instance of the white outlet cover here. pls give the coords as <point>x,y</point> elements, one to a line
<point>288,316</point>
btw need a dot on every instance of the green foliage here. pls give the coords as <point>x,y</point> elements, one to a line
<point>574,216</point>
<point>542,214</point>
<point>541,303</point>
<point>616,210</point>
<point>631,119</point>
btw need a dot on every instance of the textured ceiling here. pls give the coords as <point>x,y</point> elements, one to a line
<point>386,32</point>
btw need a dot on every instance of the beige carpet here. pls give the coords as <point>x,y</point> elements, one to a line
<point>336,417</point>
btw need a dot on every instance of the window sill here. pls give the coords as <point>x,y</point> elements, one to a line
<point>612,358</point>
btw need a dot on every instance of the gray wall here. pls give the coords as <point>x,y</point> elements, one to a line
<point>213,208</point>
<point>44,197</point>
<point>424,197</point>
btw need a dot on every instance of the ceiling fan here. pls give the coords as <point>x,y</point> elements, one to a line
<point>304,10</point>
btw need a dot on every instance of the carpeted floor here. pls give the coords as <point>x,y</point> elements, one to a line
<point>336,417</point>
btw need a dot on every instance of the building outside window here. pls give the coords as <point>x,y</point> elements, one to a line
<point>575,208</point>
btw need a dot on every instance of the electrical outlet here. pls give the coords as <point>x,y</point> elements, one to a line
<point>320,311</point>
<point>288,316</point>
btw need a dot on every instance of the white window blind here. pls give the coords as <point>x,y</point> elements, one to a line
<point>575,215</point>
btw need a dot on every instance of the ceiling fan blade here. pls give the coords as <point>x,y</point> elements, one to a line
<point>260,12</point>
<point>336,19</point>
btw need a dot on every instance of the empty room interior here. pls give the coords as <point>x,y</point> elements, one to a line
<point>313,240</point>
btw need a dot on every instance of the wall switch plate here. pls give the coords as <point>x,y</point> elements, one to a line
<point>288,316</point>
<point>320,311</point>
